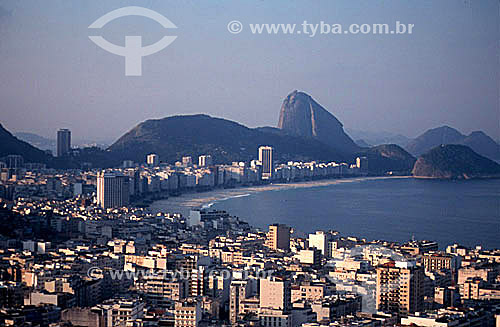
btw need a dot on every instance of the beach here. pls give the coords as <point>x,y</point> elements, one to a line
<point>196,200</point>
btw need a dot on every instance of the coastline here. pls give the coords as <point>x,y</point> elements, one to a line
<point>188,201</point>
<point>457,177</point>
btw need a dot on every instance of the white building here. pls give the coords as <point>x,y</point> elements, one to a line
<point>320,240</point>
<point>205,160</point>
<point>153,159</point>
<point>309,256</point>
<point>112,190</point>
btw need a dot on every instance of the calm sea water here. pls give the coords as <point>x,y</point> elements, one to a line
<point>467,212</point>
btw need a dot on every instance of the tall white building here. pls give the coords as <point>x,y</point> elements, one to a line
<point>266,159</point>
<point>153,159</point>
<point>113,190</point>
<point>205,160</point>
<point>362,164</point>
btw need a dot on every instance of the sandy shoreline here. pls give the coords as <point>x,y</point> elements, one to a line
<point>187,201</point>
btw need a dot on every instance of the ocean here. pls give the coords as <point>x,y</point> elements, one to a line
<point>397,209</point>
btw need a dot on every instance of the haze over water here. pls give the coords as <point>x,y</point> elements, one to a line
<point>467,212</point>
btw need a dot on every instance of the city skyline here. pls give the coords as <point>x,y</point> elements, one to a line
<point>249,163</point>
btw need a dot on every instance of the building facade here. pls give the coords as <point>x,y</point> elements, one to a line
<point>153,159</point>
<point>278,237</point>
<point>113,190</point>
<point>400,288</point>
<point>63,142</point>
<point>205,160</point>
<point>266,159</point>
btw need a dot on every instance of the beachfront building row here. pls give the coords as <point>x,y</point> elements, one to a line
<point>156,177</point>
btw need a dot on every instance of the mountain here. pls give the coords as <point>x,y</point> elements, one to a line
<point>478,141</point>
<point>269,129</point>
<point>301,116</point>
<point>38,141</point>
<point>306,131</point>
<point>388,157</point>
<point>9,144</point>
<point>362,143</point>
<point>378,138</point>
<point>192,135</point>
<point>432,138</point>
<point>454,161</point>
<point>227,141</point>
<point>44,143</point>
<point>482,144</point>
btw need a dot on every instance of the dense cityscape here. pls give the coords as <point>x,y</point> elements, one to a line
<point>249,163</point>
<point>81,247</point>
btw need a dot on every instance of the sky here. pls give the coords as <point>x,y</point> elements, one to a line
<point>445,73</point>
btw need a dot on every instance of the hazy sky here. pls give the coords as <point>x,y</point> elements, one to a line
<point>446,72</point>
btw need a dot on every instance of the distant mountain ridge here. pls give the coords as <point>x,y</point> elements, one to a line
<point>227,141</point>
<point>361,143</point>
<point>45,143</point>
<point>454,161</point>
<point>306,131</point>
<point>477,141</point>
<point>377,138</point>
<point>36,140</point>
<point>9,144</point>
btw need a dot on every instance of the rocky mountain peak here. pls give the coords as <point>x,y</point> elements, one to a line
<point>301,115</point>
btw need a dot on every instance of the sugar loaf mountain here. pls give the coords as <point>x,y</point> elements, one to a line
<point>301,116</point>
<point>305,131</point>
